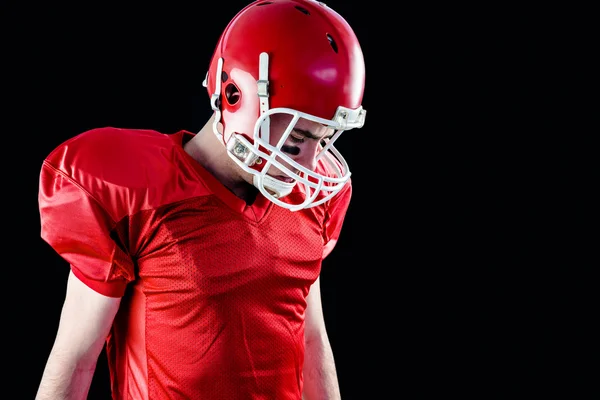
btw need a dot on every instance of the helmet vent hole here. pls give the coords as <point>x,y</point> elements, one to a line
<point>224,77</point>
<point>302,10</point>
<point>232,94</point>
<point>332,43</point>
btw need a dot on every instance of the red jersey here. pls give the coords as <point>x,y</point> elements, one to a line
<point>214,290</point>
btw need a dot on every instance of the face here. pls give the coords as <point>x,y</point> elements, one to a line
<point>302,145</point>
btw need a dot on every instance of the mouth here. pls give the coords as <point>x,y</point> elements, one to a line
<point>284,178</point>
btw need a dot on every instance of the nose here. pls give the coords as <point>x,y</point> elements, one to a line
<point>308,154</point>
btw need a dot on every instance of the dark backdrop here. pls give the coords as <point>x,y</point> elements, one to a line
<point>443,282</point>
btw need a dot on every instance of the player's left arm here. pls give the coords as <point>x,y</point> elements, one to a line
<point>320,376</point>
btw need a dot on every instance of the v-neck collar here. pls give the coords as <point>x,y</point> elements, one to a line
<point>255,212</point>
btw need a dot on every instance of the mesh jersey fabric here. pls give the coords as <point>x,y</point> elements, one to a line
<point>213,289</point>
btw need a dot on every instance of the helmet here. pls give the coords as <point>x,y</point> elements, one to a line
<point>296,57</point>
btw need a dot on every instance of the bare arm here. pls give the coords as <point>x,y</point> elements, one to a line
<point>320,376</point>
<point>85,321</point>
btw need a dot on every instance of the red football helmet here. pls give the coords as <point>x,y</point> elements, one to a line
<point>297,57</point>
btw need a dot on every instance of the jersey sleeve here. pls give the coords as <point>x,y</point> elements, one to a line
<point>79,229</point>
<point>336,213</point>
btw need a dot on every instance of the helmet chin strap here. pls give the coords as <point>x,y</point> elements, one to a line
<point>238,148</point>
<point>278,188</point>
<point>240,151</point>
<point>263,94</point>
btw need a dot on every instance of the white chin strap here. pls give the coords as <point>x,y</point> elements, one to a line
<point>278,188</point>
<point>274,187</point>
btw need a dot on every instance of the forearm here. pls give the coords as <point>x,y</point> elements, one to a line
<point>320,375</point>
<point>65,380</point>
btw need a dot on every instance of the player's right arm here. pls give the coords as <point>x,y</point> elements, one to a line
<point>83,195</point>
<point>85,322</point>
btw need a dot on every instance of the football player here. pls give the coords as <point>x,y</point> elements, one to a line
<point>195,257</point>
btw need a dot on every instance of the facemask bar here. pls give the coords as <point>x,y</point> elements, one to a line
<point>314,183</point>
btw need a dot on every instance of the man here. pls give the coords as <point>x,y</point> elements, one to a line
<point>195,258</point>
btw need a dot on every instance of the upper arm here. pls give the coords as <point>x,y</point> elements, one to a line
<point>336,213</point>
<point>314,323</point>
<point>85,321</point>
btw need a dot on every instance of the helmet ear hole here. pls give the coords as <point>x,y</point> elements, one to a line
<point>232,94</point>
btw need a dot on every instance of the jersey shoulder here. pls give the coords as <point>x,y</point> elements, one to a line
<point>139,168</point>
<point>113,154</point>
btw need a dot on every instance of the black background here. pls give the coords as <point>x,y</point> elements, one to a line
<point>448,280</point>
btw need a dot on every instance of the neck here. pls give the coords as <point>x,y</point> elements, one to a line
<point>210,152</point>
